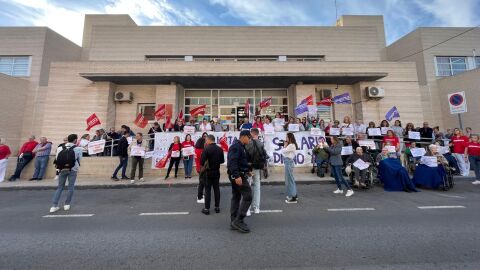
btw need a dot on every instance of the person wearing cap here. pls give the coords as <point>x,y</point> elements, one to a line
<point>238,171</point>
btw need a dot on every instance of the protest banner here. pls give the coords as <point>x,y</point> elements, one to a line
<point>96,147</point>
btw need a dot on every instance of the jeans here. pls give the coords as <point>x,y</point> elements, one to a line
<point>320,169</point>
<point>21,163</point>
<point>123,165</point>
<point>243,193</point>
<point>40,166</point>
<point>463,165</point>
<point>135,161</point>
<point>289,178</point>
<point>188,164</point>
<point>212,181</point>
<point>62,179</point>
<point>337,174</point>
<point>255,181</point>
<point>475,162</point>
<point>173,161</point>
<point>360,175</point>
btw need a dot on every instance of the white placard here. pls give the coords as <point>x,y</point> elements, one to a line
<point>175,154</point>
<point>279,123</point>
<point>347,150</point>
<point>268,130</point>
<point>335,131</point>
<point>189,129</point>
<point>347,131</point>
<point>137,151</point>
<point>384,130</point>
<point>149,154</point>
<point>368,143</point>
<point>418,152</point>
<point>391,148</point>
<point>374,132</point>
<point>414,135</point>
<point>96,147</point>
<point>359,128</point>
<point>443,149</point>
<point>429,161</point>
<point>361,165</point>
<point>129,140</point>
<point>188,151</point>
<point>293,127</point>
<point>317,132</point>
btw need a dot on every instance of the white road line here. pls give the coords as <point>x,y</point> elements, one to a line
<point>441,207</point>
<point>451,196</point>
<point>271,211</point>
<point>66,216</point>
<point>350,209</point>
<point>164,214</point>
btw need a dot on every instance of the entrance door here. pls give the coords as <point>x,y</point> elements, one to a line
<point>241,116</point>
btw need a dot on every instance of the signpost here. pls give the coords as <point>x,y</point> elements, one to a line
<point>458,105</point>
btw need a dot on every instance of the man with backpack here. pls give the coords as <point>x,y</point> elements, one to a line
<point>257,160</point>
<point>68,162</point>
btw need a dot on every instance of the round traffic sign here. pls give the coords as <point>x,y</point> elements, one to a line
<point>456,100</point>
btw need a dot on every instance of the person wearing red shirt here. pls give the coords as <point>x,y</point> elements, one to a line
<point>258,123</point>
<point>25,155</point>
<point>473,152</point>
<point>458,143</point>
<point>391,139</point>
<point>4,154</point>
<point>188,160</point>
<point>175,152</point>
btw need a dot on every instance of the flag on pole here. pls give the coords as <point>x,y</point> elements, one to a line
<point>308,100</point>
<point>141,121</point>
<point>200,110</point>
<point>247,107</point>
<point>325,102</point>
<point>161,111</point>
<point>223,142</point>
<point>301,108</point>
<point>168,122</point>
<point>265,103</point>
<point>342,99</point>
<point>392,113</point>
<point>92,121</point>
<point>162,162</point>
<point>180,115</point>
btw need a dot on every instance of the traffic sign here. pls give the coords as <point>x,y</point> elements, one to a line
<point>457,102</point>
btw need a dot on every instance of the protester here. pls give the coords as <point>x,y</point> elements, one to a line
<point>151,132</point>
<point>384,123</point>
<point>199,146</point>
<point>125,128</point>
<point>258,123</point>
<point>178,125</point>
<point>426,133</point>
<point>84,140</point>
<point>137,159</point>
<point>304,123</point>
<point>57,171</point>
<point>188,160</point>
<point>321,158</point>
<point>397,128</point>
<point>459,143</point>
<point>112,139</point>
<point>122,149</point>
<point>289,148</point>
<point>437,134</point>
<point>321,123</point>
<point>359,127</point>
<point>336,162</point>
<point>68,159</point>
<point>392,140</point>
<point>468,132</point>
<point>313,124</point>
<point>246,125</point>
<point>347,122</point>
<point>212,157</point>
<point>217,126</point>
<point>205,126</point>
<point>4,154</point>
<point>279,122</point>
<point>257,160</point>
<point>25,155</point>
<point>175,151</point>
<point>409,127</point>
<point>99,135</point>
<point>268,124</point>
<point>42,153</point>
<point>238,172</point>
<point>300,124</point>
<point>382,155</point>
<point>360,174</point>
<point>473,152</point>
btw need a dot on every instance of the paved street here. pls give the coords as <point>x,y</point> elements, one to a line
<point>162,228</point>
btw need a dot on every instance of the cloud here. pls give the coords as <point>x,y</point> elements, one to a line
<point>452,13</point>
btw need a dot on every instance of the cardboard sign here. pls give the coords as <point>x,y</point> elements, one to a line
<point>189,129</point>
<point>278,123</point>
<point>360,164</point>
<point>418,152</point>
<point>96,147</point>
<point>368,143</point>
<point>149,154</point>
<point>414,135</point>
<point>294,127</point>
<point>384,130</point>
<point>347,131</point>
<point>347,150</point>
<point>188,151</point>
<point>360,128</point>
<point>317,132</point>
<point>429,161</point>
<point>443,149</point>
<point>175,154</point>
<point>335,131</point>
<point>391,148</point>
<point>374,132</point>
<point>137,151</point>
<point>268,130</point>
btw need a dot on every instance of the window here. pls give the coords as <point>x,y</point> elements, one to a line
<point>148,110</point>
<point>16,66</point>
<point>324,112</point>
<point>448,66</point>
<point>477,61</point>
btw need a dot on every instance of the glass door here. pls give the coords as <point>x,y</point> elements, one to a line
<point>228,117</point>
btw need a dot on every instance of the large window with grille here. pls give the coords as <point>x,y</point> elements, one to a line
<point>16,66</point>
<point>324,112</point>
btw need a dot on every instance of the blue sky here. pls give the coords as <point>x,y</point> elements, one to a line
<point>401,16</point>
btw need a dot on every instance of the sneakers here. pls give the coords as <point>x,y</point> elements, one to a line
<point>202,200</point>
<point>349,193</point>
<point>249,213</point>
<point>206,211</point>
<point>338,191</point>
<point>132,181</point>
<point>141,179</point>
<point>240,226</point>
<point>291,200</point>
<point>66,207</point>
<point>256,211</point>
<point>54,209</point>
<point>476,182</point>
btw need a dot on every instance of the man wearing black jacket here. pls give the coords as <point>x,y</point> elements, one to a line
<point>122,150</point>
<point>238,172</point>
<point>213,156</point>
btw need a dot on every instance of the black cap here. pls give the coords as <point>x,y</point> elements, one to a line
<point>245,133</point>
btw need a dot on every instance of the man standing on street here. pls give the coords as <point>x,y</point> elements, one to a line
<point>238,172</point>
<point>25,155</point>
<point>213,156</point>
<point>123,155</point>
<point>258,158</point>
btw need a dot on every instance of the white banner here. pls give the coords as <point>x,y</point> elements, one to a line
<point>96,147</point>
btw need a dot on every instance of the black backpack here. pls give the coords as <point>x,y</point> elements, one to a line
<point>258,159</point>
<point>66,158</point>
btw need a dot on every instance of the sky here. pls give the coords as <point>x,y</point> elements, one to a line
<point>401,16</point>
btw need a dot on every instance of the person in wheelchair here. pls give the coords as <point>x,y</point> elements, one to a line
<point>431,175</point>
<point>321,159</point>
<point>384,155</point>
<point>360,175</point>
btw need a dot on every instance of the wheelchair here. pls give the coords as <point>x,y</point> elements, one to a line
<point>448,181</point>
<point>410,163</point>
<point>371,177</point>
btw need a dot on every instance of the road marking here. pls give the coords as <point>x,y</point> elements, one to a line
<point>271,211</point>
<point>73,215</point>
<point>451,196</point>
<point>441,207</point>
<point>164,214</point>
<point>350,209</point>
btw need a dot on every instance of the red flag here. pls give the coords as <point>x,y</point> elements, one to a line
<point>180,115</point>
<point>308,100</point>
<point>200,110</point>
<point>168,122</point>
<point>141,121</point>
<point>325,102</point>
<point>162,162</point>
<point>247,107</point>
<point>92,121</point>
<point>265,103</point>
<point>223,142</point>
<point>160,112</point>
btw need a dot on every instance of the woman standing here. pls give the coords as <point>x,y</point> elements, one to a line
<point>258,123</point>
<point>289,148</point>
<point>4,154</point>
<point>459,143</point>
<point>397,128</point>
<point>336,162</point>
<point>408,127</point>
<point>188,160</point>
<point>473,152</point>
<point>137,144</point>
<point>175,151</point>
<point>268,124</point>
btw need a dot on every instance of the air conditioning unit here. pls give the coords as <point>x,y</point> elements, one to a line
<point>375,92</point>
<point>123,96</point>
